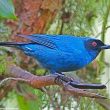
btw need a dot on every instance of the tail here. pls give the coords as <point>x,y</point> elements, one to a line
<point>14,43</point>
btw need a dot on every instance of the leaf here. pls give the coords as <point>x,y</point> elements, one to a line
<point>7,9</point>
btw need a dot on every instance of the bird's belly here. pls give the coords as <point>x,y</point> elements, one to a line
<point>68,65</point>
<point>61,62</point>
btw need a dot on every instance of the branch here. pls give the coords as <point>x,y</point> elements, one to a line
<point>33,80</point>
<point>18,74</point>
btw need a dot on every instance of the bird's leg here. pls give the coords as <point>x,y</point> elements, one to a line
<point>59,77</point>
<point>59,74</point>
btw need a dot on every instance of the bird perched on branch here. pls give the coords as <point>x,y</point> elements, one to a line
<point>60,53</point>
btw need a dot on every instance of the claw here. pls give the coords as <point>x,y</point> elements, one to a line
<point>59,77</point>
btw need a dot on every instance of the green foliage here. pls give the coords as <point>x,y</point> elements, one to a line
<point>7,9</point>
<point>55,28</point>
<point>11,97</point>
<point>2,64</point>
<point>5,31</point>
<point>104,24</point>
<point>85,15</point>
<point>89,105</point>
<point>30,104</point>
<point>40,71</point>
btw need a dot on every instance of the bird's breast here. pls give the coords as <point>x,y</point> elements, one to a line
<point>65,61</point>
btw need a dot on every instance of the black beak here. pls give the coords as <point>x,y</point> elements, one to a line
<point>105,47</point>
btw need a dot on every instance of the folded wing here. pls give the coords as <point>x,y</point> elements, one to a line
<point>40,39</point>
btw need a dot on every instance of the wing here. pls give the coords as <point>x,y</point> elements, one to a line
<point>40,39</point>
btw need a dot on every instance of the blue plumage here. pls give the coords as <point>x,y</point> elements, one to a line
<point>61,53</point>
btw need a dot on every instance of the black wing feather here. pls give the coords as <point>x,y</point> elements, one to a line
<point>40,39</point>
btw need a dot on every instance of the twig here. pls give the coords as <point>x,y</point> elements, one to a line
<point>11,78</point>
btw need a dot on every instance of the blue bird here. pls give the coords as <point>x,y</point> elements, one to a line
<point>60,53</point>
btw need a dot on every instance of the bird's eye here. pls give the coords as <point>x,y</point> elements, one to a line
<point>94,44</point>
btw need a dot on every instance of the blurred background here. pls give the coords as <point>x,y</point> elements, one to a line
<point>72,17</point>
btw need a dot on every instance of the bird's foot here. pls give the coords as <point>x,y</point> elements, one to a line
<point>59,77</point>
<point>68,83</point>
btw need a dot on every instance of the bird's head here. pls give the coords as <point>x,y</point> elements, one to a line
<point>94,46</point>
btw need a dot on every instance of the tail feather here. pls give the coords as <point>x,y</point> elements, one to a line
<point>13,43</point>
